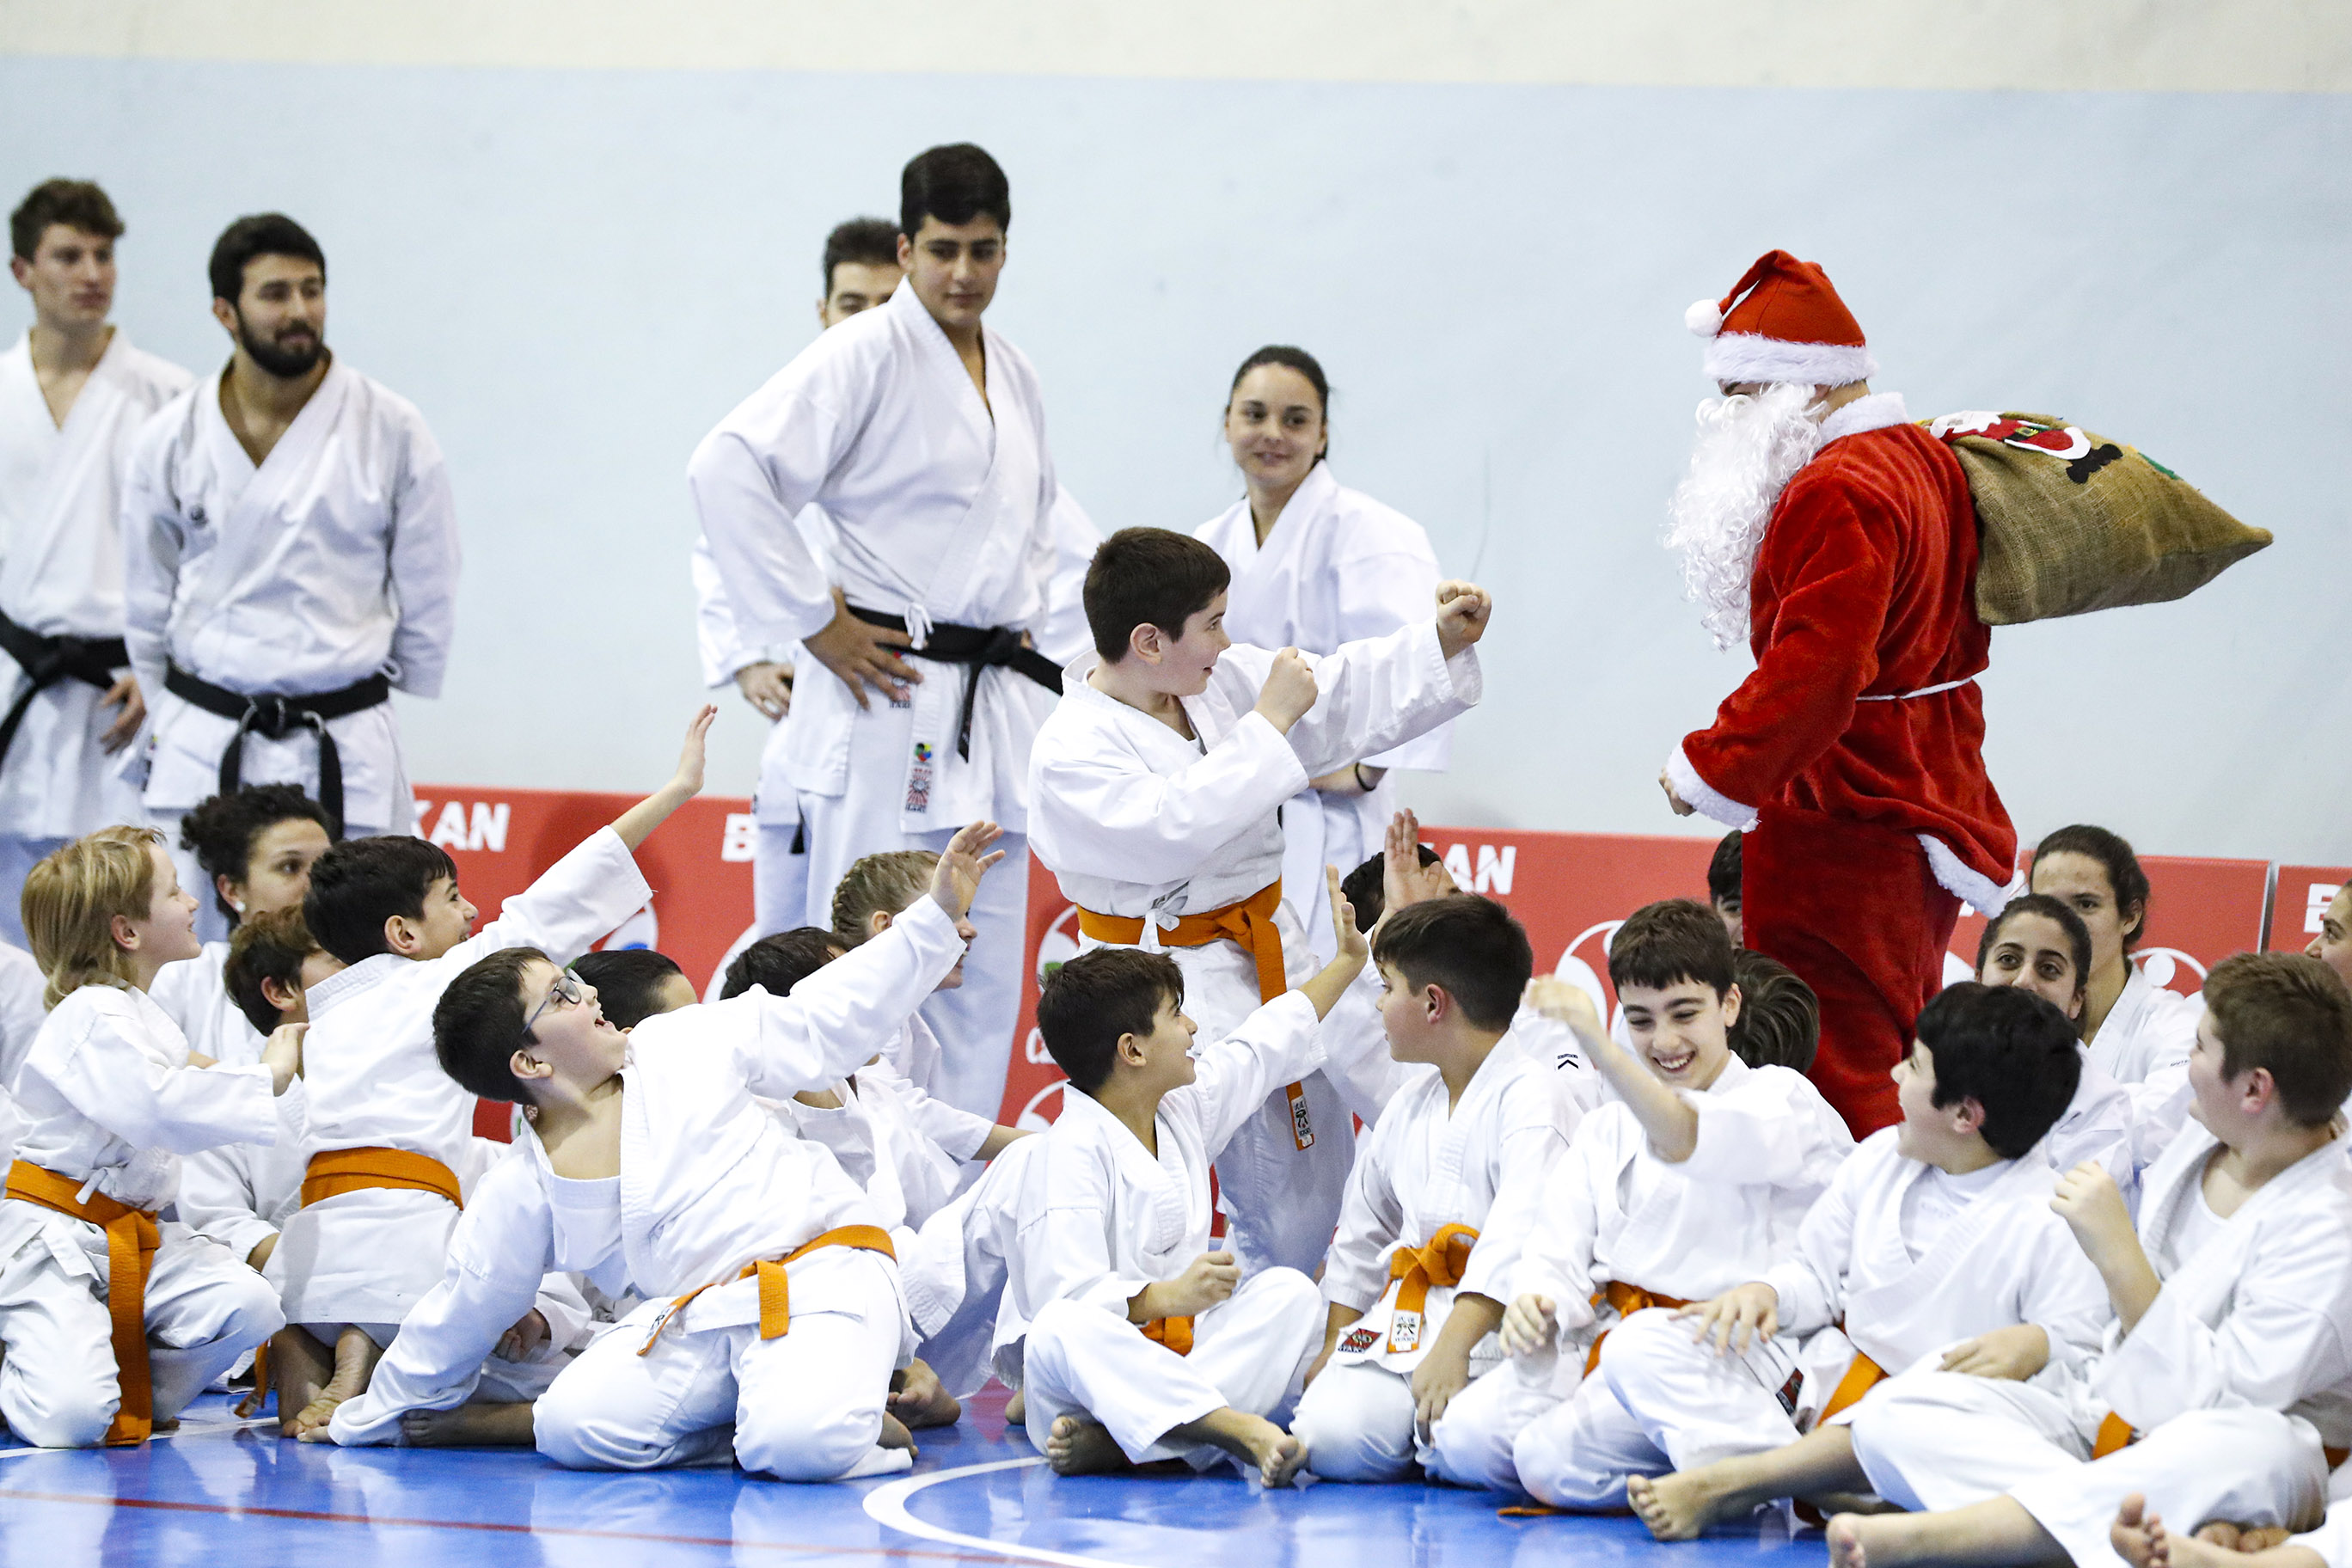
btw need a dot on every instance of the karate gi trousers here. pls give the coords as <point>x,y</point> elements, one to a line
<point>1249,1351</point>
<point>806,1405</point>
<point>1855,910</point>
<point>1356,1421</point>
<point>1940,1440</point>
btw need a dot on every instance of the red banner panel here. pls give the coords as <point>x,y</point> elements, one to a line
<point>2300,902</point>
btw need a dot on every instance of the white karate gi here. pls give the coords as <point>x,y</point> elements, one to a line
<point>61,576</point>
<point>2144,1045</point>
<point>238,1195</point>
<point>709,1182</point>
<point>2097,1125</point>
<point>1767,1146</point>
<point>333,561</point>
<point>886,1136</point>
<point>1423,1167</point>
<point>954,1271</point>
<point>1139,822</point>
<point>1102,1217</point>
<point>2234,1377</point>
<point>1336,567</point>
<point>21,1014</point>
<point>366,1257</point>
<point>105,1093</point>
<point>940,506</point>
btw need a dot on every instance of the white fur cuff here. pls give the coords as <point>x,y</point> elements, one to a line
<point>1982,894</point>
<point>1710,801</point>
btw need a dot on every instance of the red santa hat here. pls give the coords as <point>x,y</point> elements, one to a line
<point>1782,322</point>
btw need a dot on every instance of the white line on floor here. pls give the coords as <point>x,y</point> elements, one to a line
<point>887,1505</point>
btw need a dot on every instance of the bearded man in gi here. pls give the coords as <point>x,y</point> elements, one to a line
<point>1839,538</point>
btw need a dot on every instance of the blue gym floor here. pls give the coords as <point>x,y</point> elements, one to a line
<point>231,1494</point>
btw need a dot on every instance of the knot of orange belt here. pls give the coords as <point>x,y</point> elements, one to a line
<point>339,1171</point>
<point>1176,1333</point>
<point>2115,1433</point>
<point>1250,925</point>
<point>131,1242</point>
<point>1439,1263</point>
<point>775,1286</point>
<point>1628,1299</point>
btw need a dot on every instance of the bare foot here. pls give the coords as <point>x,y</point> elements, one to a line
<point>1017,1409</point>
<point>1861,1541</point>
<point>1253,1440</point>
<point>469,1427</point>
<point>356,1359</point>
<point>2221,1534</point>
<point>2263,1537</point>
<point>1076,1447</point>
<point>919,1399</point>
<point>1677,1507</point>
<point>2138,1535</point>
<point>895,1434</point>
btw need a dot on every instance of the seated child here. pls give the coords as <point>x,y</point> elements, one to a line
<point>1413,1276</point>
<point>390,1137</point>
<point>633,984</point>
<point>1155,785</point>
<point>1934,1246</point>
<point>21,1013</point>
<point>2234,1321</point>
<point>1780,1022</point>
<point>2036,943</point>
<point>1722,886</point>
<point>1142,1344</point>
<point>868,897</point>
<point>1692,1180</point>
<point>774,1318</point>
<point>257,846</point>
<point>113,1322</point>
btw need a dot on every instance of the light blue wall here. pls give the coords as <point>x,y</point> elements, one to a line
<point>575,274</point>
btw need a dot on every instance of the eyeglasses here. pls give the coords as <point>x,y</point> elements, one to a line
<point>569,990</point>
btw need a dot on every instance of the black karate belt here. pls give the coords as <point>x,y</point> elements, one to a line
<point>976,648</point>
<point>275,715</point>
<point>47,660</point>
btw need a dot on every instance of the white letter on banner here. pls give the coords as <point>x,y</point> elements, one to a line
<point>1457,864</point>
<point>449,832</point>
<point>1495,870</point>
<point>742,838</point>
<point>490,829</point>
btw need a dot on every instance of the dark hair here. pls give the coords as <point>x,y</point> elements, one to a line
<point>1305,365</point>
<point>2078,935</point>
<point>628,982</point>
<point>478,1025</point>
<point>2008,1050</point>
<point>1467,946</point>
<point>261,234</point>
<point>1780,1022</point>
<point>1366,890</point>
<point>861,241</point>
<point>224,829</point>
<point>1088,1003</point>
<point>1723,870</point>
<point>781,961</point>
<point>269,946</point>
<point>1149,577</point>
<point>2291,1015</point>
<point>77,204</point>
<point>1667,942</point>
<point>2125,878</point>
<point>360,883</point>
<point>955,184</point>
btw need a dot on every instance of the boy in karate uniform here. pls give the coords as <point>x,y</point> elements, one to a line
<point>1155,787</point>
<point>1411,1277</point>
<point>1141,1343</point>
<point>1692,1180</point>
<point>1934,1246</point>
<point>2233,1337</point>
<point>391,1137</point>
<point>773,1317</point>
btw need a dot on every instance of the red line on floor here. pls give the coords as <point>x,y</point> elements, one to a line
<point>235,1511</point>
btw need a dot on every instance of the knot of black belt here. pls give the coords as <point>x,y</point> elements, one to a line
<point>976,648</point>
<point>46,660</point>
<point>273,716</point>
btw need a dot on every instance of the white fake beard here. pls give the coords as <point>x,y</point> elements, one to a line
<point>1747,451</point>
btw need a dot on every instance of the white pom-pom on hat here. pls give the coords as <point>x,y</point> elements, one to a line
<point>1705,319</point>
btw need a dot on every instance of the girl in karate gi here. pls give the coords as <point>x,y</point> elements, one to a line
<point>113,1320</point>
<point>2139,1033</point>
<point>2039,945</point>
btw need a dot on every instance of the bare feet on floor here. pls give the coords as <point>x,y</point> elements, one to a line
<point>919,1399</point>
<point>469,1427</point>
<point>1253,1440</point>
<point>1017,1409</point>
<point>1866,1540</point>
<point>895,1434</point>
<point>1680,1506</point>
<point>356,1359</point>
<point>1080,1448</point>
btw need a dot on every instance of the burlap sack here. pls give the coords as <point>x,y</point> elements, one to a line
<point>2072,521</point>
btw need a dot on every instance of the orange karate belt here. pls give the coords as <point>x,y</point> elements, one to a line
<point>1176,1333</point>
<point>1418,1270</point>
<point>1862,1375</point>
<point>775,1286</point>
<point>131,1242</point>
<point>1628,1299</point>
<point>1250,925</point>
<point>339,1171</point>
<point>2116,1433</point>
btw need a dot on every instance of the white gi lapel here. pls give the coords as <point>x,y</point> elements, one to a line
<point>1262,607</point>
<point>30,444</point>
<point>250,531</point>
<point>1910,1290</point>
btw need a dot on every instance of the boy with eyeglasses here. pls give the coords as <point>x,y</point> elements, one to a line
<point>391,1145</point>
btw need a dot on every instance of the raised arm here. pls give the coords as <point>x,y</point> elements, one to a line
<point>1375,694</point>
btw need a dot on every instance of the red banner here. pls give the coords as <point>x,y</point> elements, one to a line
<point>2299,904</point>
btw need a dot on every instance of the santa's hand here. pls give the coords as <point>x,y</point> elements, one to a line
<point>1682,807</point>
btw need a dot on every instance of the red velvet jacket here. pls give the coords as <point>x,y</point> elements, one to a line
<point>1864,585</point>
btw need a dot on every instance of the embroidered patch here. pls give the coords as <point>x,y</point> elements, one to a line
<point>1361,1340</point>
<point>919,779</point>
<point>1302,1121</point>
<point>1404,1331</point>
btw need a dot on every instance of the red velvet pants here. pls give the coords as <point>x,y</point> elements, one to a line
<point>1853,909</point>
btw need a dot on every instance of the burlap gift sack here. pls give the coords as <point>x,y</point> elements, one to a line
<point>2072,521</point>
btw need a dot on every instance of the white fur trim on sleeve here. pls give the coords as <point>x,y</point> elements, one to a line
<point>1710,801</point>
<point>1746,356</point>
<point>1983,895</point>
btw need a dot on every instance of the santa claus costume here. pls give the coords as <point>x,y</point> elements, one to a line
<point>1845,545</point>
